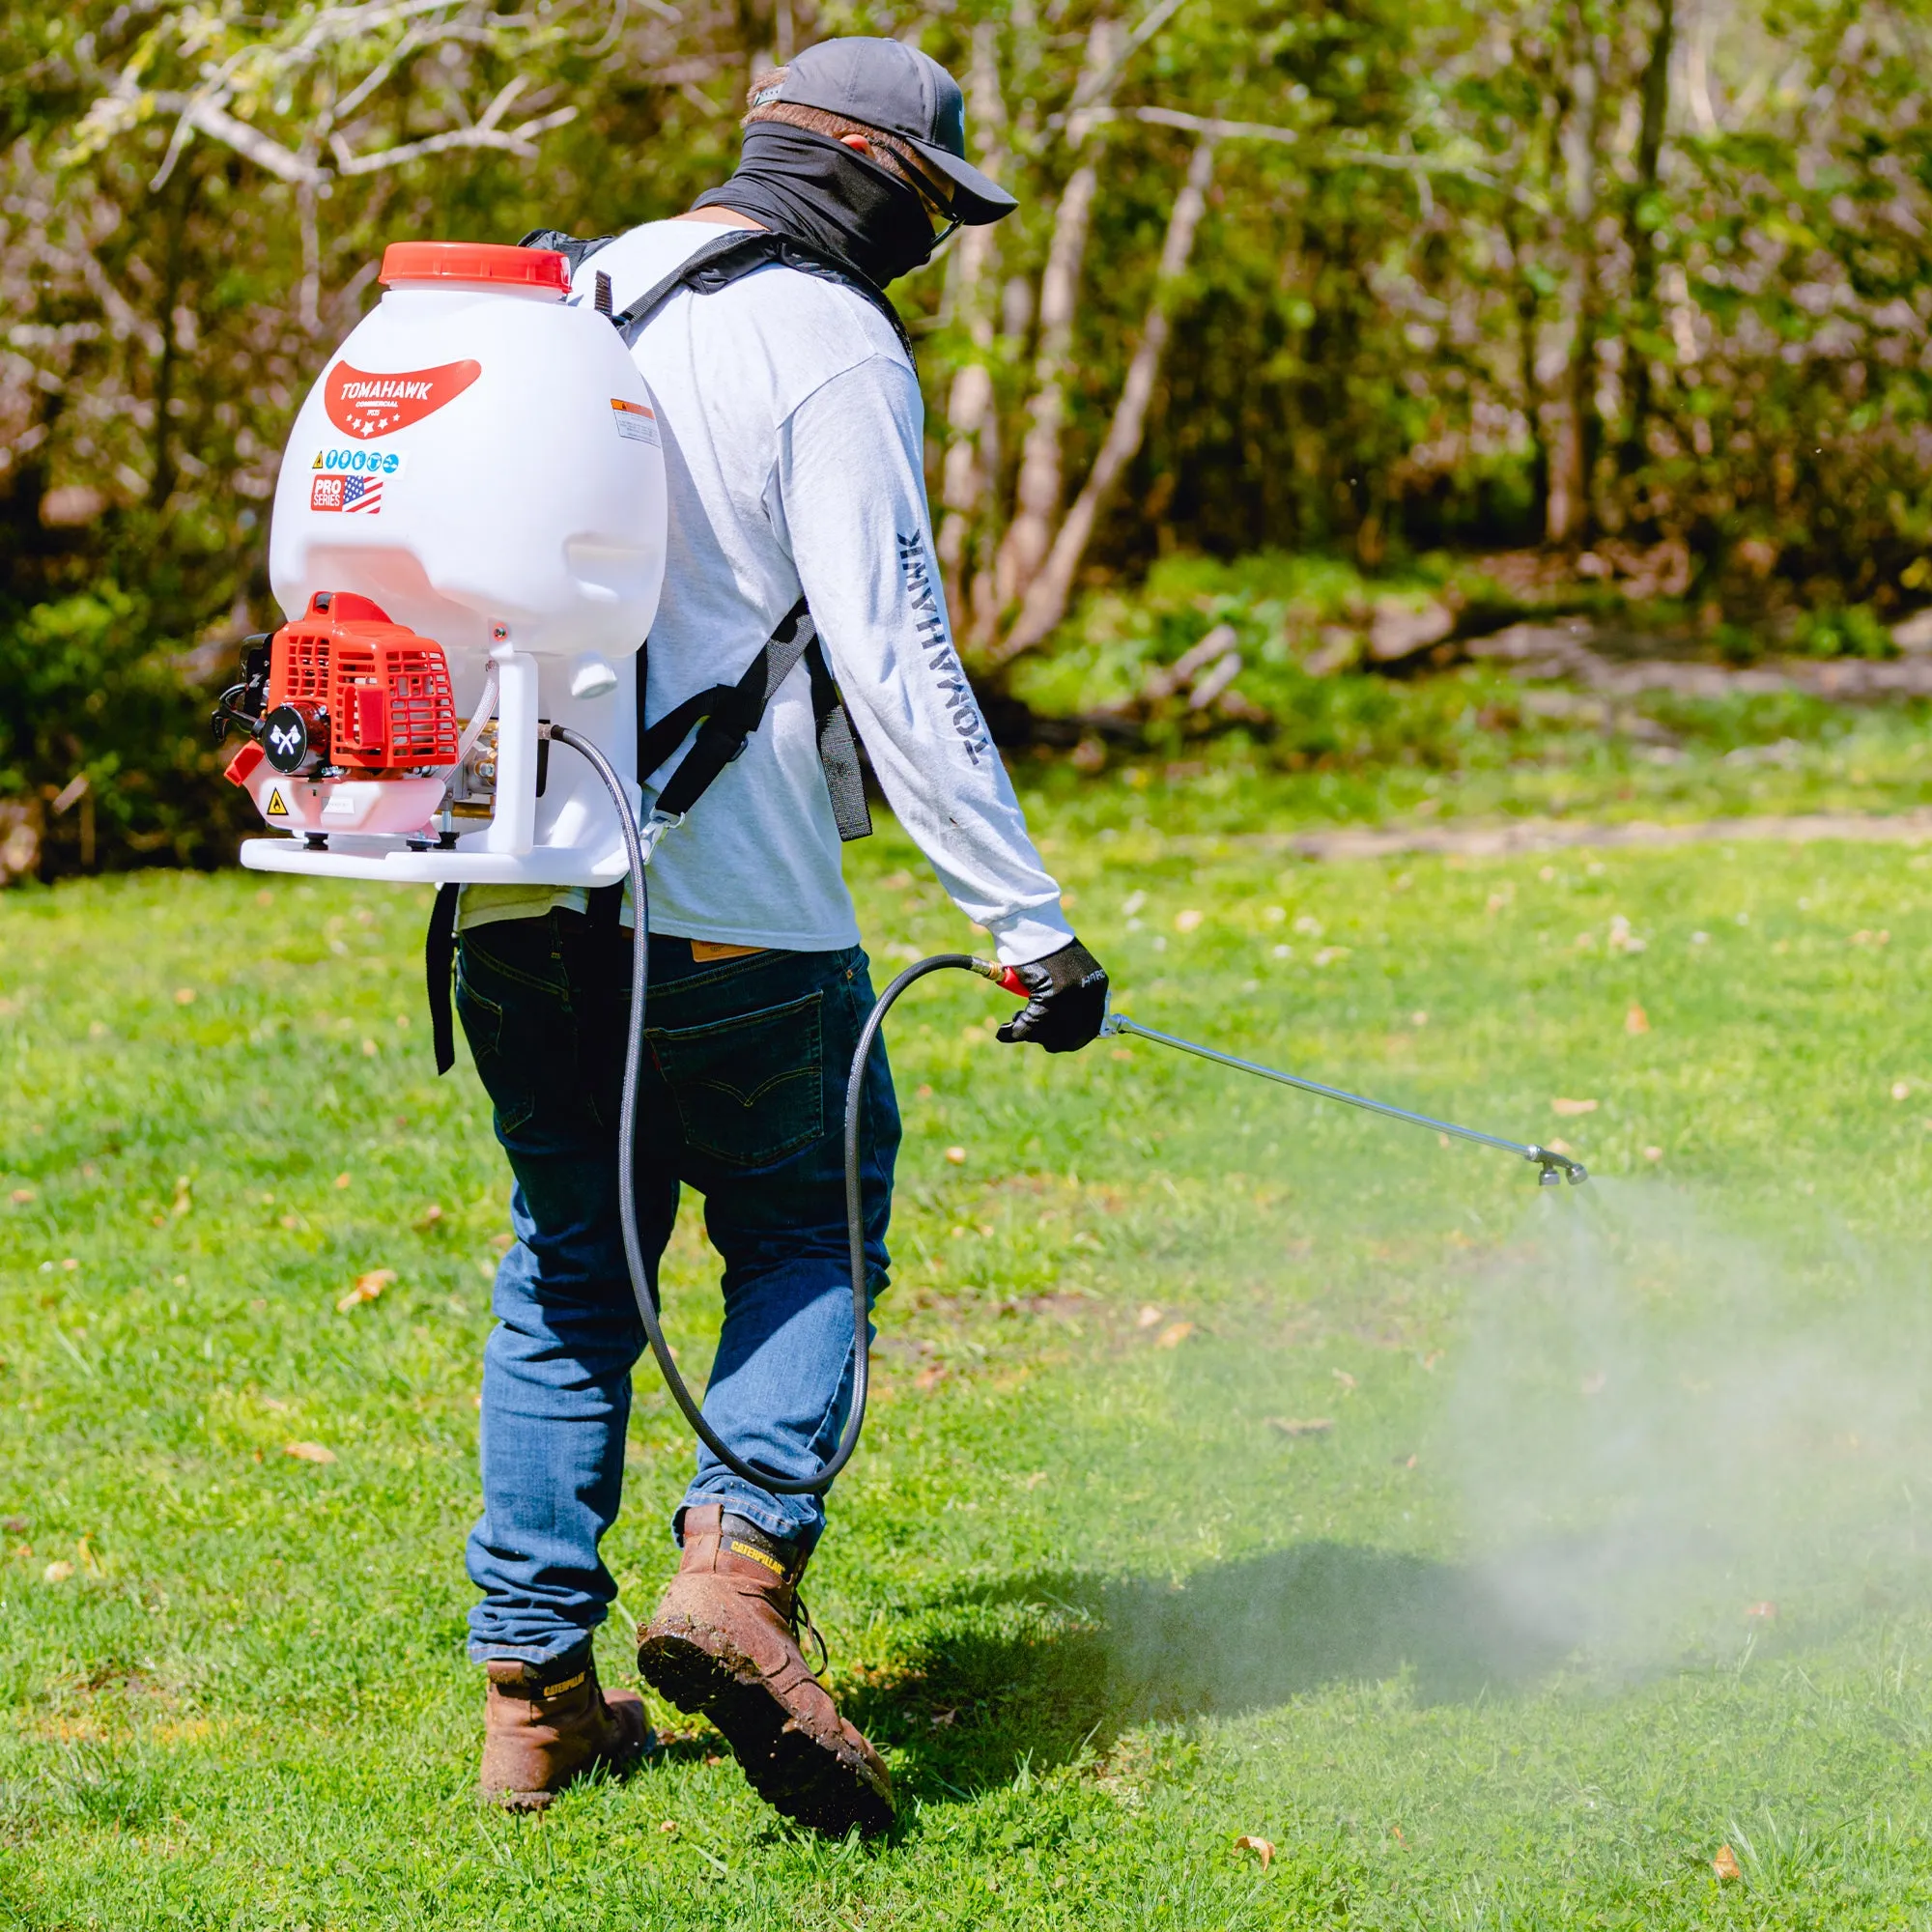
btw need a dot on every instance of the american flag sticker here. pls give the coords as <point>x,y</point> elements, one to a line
<point>636,421</point>
<point>363,493</point>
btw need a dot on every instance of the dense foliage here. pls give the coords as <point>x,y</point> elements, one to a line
<point>1650,284</point>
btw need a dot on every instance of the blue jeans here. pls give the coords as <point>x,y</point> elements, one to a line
<point>743,1095</point>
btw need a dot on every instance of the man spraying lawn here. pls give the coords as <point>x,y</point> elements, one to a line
<point>792,435</point>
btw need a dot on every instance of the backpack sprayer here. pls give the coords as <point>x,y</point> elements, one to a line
<point>469,524</point>
<point>469,533</point>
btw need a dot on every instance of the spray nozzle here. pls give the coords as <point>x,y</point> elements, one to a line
<point>1557,1168</point>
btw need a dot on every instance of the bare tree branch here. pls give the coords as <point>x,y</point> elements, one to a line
<point>1338,155</point>
<point>1097,84</point>
<point>1215,129</point>
<point>377,76</point>
<point>208,118</point>
<point>515,140</point>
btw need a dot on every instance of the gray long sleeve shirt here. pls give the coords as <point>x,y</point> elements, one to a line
<point>793,431</point>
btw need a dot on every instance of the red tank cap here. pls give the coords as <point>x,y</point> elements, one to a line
<point>475,262</point>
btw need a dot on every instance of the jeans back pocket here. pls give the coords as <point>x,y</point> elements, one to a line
<point>749,1089</point>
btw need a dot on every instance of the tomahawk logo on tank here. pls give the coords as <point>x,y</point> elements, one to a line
<point>929,623</point>
<point>363,405</point>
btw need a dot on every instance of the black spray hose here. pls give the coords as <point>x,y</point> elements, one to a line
<point>627,1144</point>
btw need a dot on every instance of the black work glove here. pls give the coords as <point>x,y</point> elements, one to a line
<point>1066,1000</point>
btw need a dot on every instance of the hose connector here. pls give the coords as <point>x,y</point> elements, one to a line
<point>1002,977</point>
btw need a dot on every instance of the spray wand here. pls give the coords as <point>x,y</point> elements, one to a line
<point>1554,1166</point>
<point>638,844</point>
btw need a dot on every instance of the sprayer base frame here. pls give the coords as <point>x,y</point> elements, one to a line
<point>392,861</point>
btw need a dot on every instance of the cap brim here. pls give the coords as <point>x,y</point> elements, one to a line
<point>977,198</point>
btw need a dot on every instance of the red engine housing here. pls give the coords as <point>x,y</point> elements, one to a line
<point>386,691</point>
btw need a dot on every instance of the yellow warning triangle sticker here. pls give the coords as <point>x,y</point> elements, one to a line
<point>277,806</point>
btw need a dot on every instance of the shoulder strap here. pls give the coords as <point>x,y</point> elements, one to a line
<point>738,254</point>
<point>574,250</point>
<point>632,322</point>
<point>727,713</point>
<point>717,266</point>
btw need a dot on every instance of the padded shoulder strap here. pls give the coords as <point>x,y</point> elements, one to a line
<point>575,250</point>
<point>737,253</point>
<point>717,266</point>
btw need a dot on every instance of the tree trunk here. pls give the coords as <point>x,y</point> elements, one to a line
<point>971,455</point>
<point>1571,517</point>
<point>1642,236</point>
<point>1527,307</point>
<point>174,271</point>
<point>1036,495</point>
<point>1047,599</point>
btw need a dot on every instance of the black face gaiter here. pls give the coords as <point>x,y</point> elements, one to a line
<point>816,189</point>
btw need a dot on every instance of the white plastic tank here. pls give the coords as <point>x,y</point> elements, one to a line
<point>481,459</point>
<point>479,454</point>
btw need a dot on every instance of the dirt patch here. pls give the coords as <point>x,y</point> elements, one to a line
<point>1555,834</point>
<point>1617,664</point>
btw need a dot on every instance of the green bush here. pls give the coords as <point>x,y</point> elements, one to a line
<point>1854,632</point>
<point>86,692</point>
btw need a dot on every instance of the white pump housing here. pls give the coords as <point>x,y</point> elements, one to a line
<point>481,460</point>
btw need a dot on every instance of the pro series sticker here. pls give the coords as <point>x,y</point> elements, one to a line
<point>352,480</point>
<point>636,422</point>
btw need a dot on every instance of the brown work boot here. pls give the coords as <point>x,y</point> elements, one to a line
<point>545,1725</point>
<point>725,1642</point>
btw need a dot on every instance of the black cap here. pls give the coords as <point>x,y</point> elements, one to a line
<point>888,85</point>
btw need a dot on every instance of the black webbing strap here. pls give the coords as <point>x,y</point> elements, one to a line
<point>717,266</point>
<point>438,963</point>
<point>738,254</point>
<point>727,715</point>
<point>838,749</point>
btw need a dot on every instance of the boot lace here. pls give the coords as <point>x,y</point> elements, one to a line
<point>798,1619</point>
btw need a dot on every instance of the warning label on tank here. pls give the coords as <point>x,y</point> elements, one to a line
<point>364,405</point>
<point>351,480</point>
<point>277,806</point>
<point>634,421</point>
<point>360,462</point>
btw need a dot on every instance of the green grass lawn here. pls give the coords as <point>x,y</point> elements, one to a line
<point>1611,1555</point>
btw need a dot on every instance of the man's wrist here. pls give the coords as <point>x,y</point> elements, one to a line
<point>1026,936</point>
